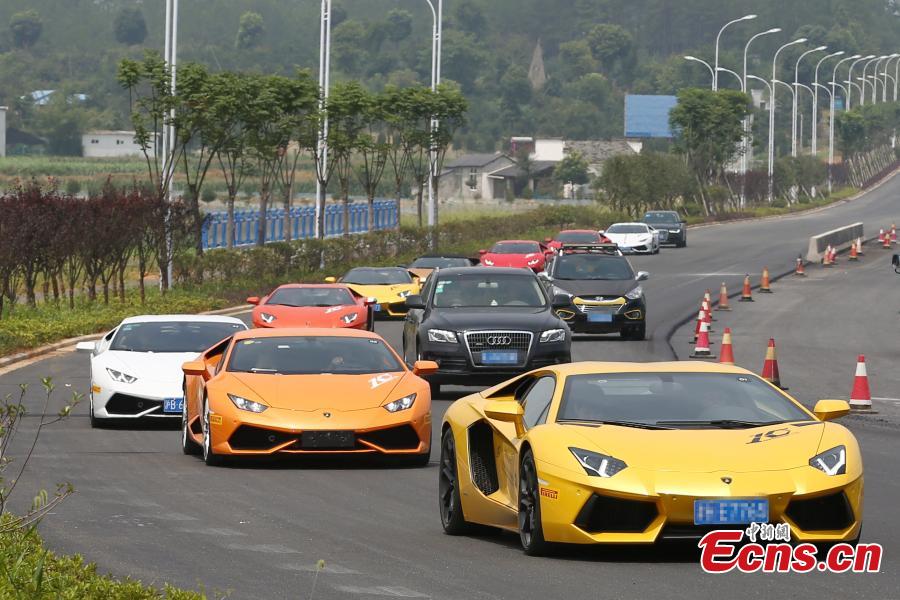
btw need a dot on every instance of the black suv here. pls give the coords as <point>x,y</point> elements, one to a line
<point>484,325</point>
<point>671,221</point>
<point>604,293</point>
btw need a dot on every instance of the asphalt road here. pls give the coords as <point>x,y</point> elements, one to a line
<point>144,509</point>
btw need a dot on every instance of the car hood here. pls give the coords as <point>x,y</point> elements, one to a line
<point>629,239</point>
<point>501,317</point>
<point>384,294</point>
<point>668,226</point>
<point>311,316</point>
<point>511,260</point>
<point>316,392</point>
<point>148,366</point>
<point>703,450</point>
<point>587,289</point>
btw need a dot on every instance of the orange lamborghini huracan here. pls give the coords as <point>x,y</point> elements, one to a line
<point>305,391</point>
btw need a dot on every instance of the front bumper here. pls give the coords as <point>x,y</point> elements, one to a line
<point>623,315</point>
<point>457,365</point>
<point>134,401</point>
<point>642,507</point>
<point>280,431</point>
<point>674,238</point>
<point>639,249</point>
<point>391,310</point>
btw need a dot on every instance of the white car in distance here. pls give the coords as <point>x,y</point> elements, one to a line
<point>636,238</point>
<point>136,368</point>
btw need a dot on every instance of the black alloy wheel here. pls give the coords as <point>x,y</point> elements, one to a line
<point>448,489</point>
<point>531,532</point>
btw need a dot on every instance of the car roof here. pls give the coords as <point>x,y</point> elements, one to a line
<point>657,212</point>
<point>442,255</point>
<point>305,332</point>
<point>628,223</point>
<point>594,231</point>
<point>683,366</point>
<point>180,319</point>
<point>297,286</point>
<point>377,269</point>
<point>489,270</point>
<point>516,242</point>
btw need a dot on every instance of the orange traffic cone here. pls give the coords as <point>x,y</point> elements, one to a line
<point>764,282</point>
<point>828,259</point>
<point>701,350</point>
<point>859,248</point>
<point>861,397</point>
<point>801,270</point>
<point>697,326</point>
<point>886,242</point>
<point>707,315</point>
<point>893,233</point>
<point>747,292</point>
<point>723,298</point>
<point>881,236</point>
<point>727,356</point>
<point>854,254</point>
<point>707,297</point>
<point>770,366</point>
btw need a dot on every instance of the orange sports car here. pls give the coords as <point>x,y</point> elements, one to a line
<point>305,391</point>
<point>313,305</point>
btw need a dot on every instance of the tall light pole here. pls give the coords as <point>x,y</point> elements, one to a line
<point>862,97</point>
<point>875,77</point>
<point>794,109</point>
<point>885,76</point>
<point>322,134</point>
<point>715,85</point>
<point>772,116</point>
<point>168,133</point>
<point>815,86</point>
<point>708,67</point>
<point>740,79</point>
<point>849,81</point>
<point>747,146</point>
<point>436,31</point>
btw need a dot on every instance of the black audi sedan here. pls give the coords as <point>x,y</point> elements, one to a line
<point>484,325</point>
<point>670,221</point>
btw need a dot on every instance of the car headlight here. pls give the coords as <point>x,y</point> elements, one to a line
<point>554,335</point>
<point>248,405</point>
<point>533,262</point>
<point>402,404</point>
<point>120,376</point>
<point>488,262</point>
<point>266,317</point>
<point>349,318</point>
<point>596,464</point>
<point>831,462</point>
<point>404,294</point>
<point>674,231</point>
<point>442,336</point>
<point>635,293</point>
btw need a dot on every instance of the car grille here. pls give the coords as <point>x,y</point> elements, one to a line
<point>604,514</point>
<point>599,298</point>
<point>123,404</point>
<point>247,437</point>
<point>826,513</point>
<point>482,341</point>
<point>605,310</point>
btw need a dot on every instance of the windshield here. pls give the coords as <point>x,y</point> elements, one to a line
<point>478,291</point>
<point>309,355</point>
<point>377,276</point>
<point>677,400</point>
<point>592,266</point>
<point>578,237</point>
<point>171,336</point>
<point>516,248</point>
<point>662,218</point>
<point>311,297</point>
<point>627,229</point>
<point>440,262</point>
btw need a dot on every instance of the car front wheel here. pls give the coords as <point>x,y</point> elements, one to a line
<point>452,519</point>
<point>209,457</point>
<point>531,531</point>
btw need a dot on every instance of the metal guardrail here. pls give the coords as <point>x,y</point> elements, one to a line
<point>302,223</point>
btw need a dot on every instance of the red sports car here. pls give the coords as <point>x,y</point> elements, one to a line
<point>312,305</point>
<point>516,253</point>
<point>576,236</point>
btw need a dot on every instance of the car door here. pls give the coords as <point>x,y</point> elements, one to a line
<point>194,385</point>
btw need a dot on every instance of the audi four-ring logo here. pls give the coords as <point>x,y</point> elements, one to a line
<point>499,340</point>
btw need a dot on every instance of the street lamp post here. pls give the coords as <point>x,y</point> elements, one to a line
<point>708,67</point>
<point>850,82</point>
<point>436,31</point>
<point>324,86</point>
<point>794,108</point>
<point>875,77</point>
<point>816,86</point>
<point>740,80</point>
<point>745,155</point>
<point>862,98</point>
<point>168,133</point>
<point>885,76</point>
<point>715,84</point>
<point>772,115</point>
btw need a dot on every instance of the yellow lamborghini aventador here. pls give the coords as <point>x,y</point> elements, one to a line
<point>637,452</point>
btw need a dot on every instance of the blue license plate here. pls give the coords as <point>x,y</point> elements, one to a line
<point>173,405</point>
<point>376,307</point>
<point>724,512</point>
<point>499,358</point>
<point>599,318</point>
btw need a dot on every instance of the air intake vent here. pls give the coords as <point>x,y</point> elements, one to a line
<point>604,514</point>
<point>481,458</point>
<point>826,513</point>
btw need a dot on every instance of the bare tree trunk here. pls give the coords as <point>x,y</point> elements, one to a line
<point>263,210</point>
<point>229,225</point>
<point>419,193</point>
<point>370,199</point>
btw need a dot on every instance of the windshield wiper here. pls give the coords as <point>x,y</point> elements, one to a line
<point>722,423</point>
<point>261,370</point>
<point>635,424</point>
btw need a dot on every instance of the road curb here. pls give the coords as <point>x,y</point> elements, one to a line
<point>14,359</point>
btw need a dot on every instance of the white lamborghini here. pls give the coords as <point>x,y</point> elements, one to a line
<point>136,367</point>
<point>636,237</point>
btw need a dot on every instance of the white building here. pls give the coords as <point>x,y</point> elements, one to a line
<point>109,144</point>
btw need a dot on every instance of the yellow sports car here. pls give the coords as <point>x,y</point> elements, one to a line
<point>387,286</point>
<point>590,453</point>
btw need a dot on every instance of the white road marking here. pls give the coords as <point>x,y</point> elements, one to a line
<point>220,531</point>
<point>264,548</point>
<point>895,400</point>
<point>329,568</point>
<point>389,591</point>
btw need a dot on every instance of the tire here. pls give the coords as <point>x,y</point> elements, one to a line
<point>95,422</point>
<point>188,445</point>
<point>531,532</point>
<point>635,333</point>
<point>682,243</point>
<point>209,457</point>
<point>449,502</point>
<point>435,389</point>
<point>420,460</point>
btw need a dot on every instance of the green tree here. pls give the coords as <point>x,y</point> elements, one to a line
<point>129,26</point>
<point>576,59</point>
<point>347,46</point>
<point>609,44</point>
<point>469,17</point>
<point>399,25</point>
<point>573,168</point>
<point>26,28</point>
<point>251,30</point>
<point>851,133</point>
<point>349,108</point>
<point>448,109</point>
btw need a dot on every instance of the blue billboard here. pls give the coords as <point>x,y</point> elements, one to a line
<point>648,116</point>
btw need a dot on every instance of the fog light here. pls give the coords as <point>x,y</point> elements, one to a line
<point>634,315</point>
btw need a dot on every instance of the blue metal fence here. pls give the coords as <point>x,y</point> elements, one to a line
<point>303,223</point>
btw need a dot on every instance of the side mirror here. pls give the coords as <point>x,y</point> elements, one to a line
<point>253,300</point>
<point>895,260</point>
<point>415,301</point>
<point>543,276</point>
<point>826,410</point>
<point>331,280</point>
<point>560,301</point>
<point>482,252</point>
<point>642,276</point>
<point>194,367</point>
<point>506,411</point>
<point>85,346</point>
<point>424,367</point>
